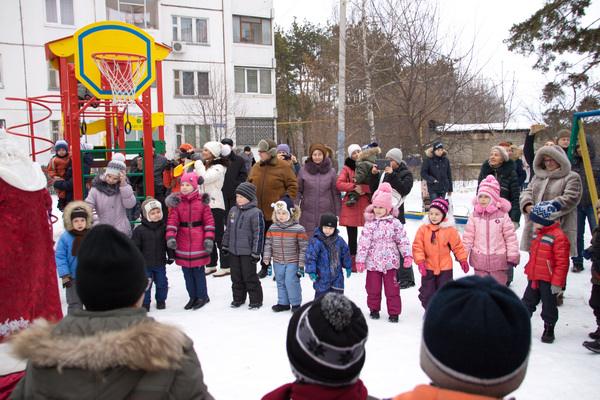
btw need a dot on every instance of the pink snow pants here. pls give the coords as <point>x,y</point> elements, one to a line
<point>499,276</point>
<point>391,287</point>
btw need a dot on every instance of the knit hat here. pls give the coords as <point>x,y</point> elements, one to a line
<point>502,151</point>
<point>247,148</point>
<point>116,164</point>
<point>150,204</point>
<point>247,190</point>
<point>369,146</point>
<point>476,338</point>
<point>441,204</point>
<point>437,145</point>
<point>214,148</point>
<point>491,187</point>
<point>545,213</point>
<point>326,341</point>
<point>352,148</point>
<point>187,148</point>
<point>563,133</point>
<point>383,197</point>
<point>192,178</point>
<point>283,147</point>
<point>328,220</point>
<point>227,141</point>
<point>395,154</point>
<point>79,213</point>
<point>269,146</point>
<point>61,144</point>
<point>111,271</point>
<point>285,204</point>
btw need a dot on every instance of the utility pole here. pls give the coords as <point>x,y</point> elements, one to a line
<point>342,87</point>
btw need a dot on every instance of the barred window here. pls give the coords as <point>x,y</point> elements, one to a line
<point>250,131</point>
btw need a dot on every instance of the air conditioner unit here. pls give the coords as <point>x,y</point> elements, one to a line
<point>178,47</point>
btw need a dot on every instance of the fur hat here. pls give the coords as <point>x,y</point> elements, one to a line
<point>283,147</point>
<point>441,204</point>
<point>116,164</point>
<point>111,271</point>
<point>61,144</point>
<point>383,197</point>
<point>437,145</point>
<point>285,204</point>
<point>502,151</point>
<point>215,148</point>
<point>77,209</point>
<point>192,178</point>
<point>476,338</point>
<point>395,154</point>
<point>352,148</point>
<point>268,146</point>
<point>150,204</point>
<point>327,151</point>
<point>328,220</point>
<point>326,341</point>
<point>247,190</point>
<point>491,187</point>
<point>545,213</point>
<point>563,133</point>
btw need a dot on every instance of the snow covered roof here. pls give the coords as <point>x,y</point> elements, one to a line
<point>492,127</point>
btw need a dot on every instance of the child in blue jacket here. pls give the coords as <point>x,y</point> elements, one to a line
<point>327,254</point>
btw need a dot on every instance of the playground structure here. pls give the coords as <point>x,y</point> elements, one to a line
<point>105,70</point>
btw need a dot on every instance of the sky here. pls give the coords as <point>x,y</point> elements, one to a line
<point>485,22</point>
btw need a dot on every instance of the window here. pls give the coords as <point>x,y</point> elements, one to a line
<point>251,30</point>
<point>141,13</point>
<point>191,30</point>
<point>249,80</point>
<point>196,135</point>
<point>55,130</point>
<point>52,78</point>
<point>60,12</point>
<point>191,83</point>
<point>250,131</point>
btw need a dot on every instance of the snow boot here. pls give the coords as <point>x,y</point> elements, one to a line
<point>222,272</point>
<point>160,305</point>
<point>595,335</point>
<point>236,304</point>
<point>548,335</point>
<point>210,270</point>
<point>254,306</point>
<point>189,304</point>
<point>280,307</point>
<point>393,318</point>
<point>374,314</point>
<point>577,267</point>
<point>592,346</point>
<point>295,308</point>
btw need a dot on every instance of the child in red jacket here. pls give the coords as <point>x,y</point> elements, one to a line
<point>548,265</point>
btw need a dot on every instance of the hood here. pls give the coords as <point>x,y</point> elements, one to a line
<point>429,153</point>
<point>321,235</point>
<point>370,214</point>
<point>557,153</point>
<point>294,217</point>
<point>369,154</point>
<point>502,205</point>
<point>590,145</point>
<point>315,169</point>
<point>516,154</point>
<point>72,206</point>
<point>447,222</point>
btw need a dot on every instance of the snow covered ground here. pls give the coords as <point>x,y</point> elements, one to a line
<point>243,352</point>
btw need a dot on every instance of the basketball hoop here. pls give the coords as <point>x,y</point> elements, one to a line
<point>123,71</point>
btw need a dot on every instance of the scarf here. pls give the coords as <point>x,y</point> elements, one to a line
<point>78,235</point>
<point>334,257</point>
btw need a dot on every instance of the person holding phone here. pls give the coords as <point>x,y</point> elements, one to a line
<point>436,171</point>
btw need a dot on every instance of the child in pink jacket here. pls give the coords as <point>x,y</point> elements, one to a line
<point>490,234</point>
<point>382,244</point>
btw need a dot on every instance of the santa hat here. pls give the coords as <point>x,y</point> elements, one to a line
<point>490,187</point>
<point>116,164</point>
<point>383,197</point>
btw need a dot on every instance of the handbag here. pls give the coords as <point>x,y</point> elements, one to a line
<point>397,198</point>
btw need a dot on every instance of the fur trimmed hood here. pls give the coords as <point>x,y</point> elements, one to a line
<point>447,222</point>
<point>294,217</point>
<point>429,153</point>
<point>502,205</point>
<point>174,199</point>
<point>369,154</point>
<point>72,206</point>
<point>558,154</point>
<point>516,152</point>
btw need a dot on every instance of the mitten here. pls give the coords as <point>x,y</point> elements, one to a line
<point>408,262</point>
<point>348,273</point>
<point>208,245</point>
<point>301,271</point>
<point>555,289</point>
<point>423,268</point>
<point>66,281</point>
<point>360,267</point>
<point>313,277</point>
<point>465,266</point>
<point>587,253</point>
<point>511,265</point>
<point>170,261</point>
<point>255,258</point>
<point>269,270</point>
<point>172,243</point>
<point>224,251</point>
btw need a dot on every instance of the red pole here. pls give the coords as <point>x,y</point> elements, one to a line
<point>72,122</point>
<point>159,98</point>
<point>147,141</point>
<point>31,130</point>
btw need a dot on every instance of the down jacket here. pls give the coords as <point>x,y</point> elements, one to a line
<point>66,262</point>
<point>317,193</point>
<point>67,183</point>
<point>214,177</point>
<point>437,168</point>
<point>186,209</point>
<point>352,216</point>
<point>245,230</point>
<point>435,253</point>
<point>110,203</point>
<point>79,358</point>
<point>150,238</point>
<point>383,242</point>
<point>549,256</point>
<point>506,176</point>
<point>272,179</point>
<point>562,185</point>
<point>286,242</point>
<point>364,164</point>
<point>401,180</point>
<point>490,238</point>
<point>317,262</point>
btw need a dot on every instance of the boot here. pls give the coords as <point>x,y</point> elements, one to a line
<point>393,318</point>
<point>592,346</point>
<point>595,335</point>
<point>210,270</point>
<point>237,303</point>
<point>189,304</point>
<point>200,303</point>
<point>577,267</point>
<point>146,306</point>
<point>160,305</point>
<point>295,308</point>
<point>254,306</point>
<point>280,307</point>
<point>548,335</point>
<point>374,314</point>
<point>222,272</point>
<point>353,269</point>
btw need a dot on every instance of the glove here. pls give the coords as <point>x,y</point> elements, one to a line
<point>408,262</point>
<point>465,266</point>
<point>423,268</point>
<point>348,273</point>
<point>587,253</point>
<point>511,265</point>
<point>208,245</point>
<point>516,224</point>
<point>301,272</point>
<point>224,251</point>
<point>170,261</point>
<point>313,277</point>
<point>269,270</point>
<point>255,258</point>
<point>360,267</point>
<point>66,281</point>
<point>172,243</point>
<point>555,289</point>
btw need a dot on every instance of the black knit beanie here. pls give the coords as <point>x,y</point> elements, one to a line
<point>476,338</point>
<point>326,341</point>
<point>247,190</point>
<point>328,220</point>
<point>111,271</point>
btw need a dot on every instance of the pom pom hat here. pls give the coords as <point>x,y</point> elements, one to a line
<point>285,204</point>
<point>491,187</point>
<point>545,213</point>
<point>383,197</point>
<point>116,164</point>
<point>192,179</point>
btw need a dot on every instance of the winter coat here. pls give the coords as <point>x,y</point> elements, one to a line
<point>158,163</point>
<point>490,238</point>
<point>436,253</point>
<point>562,185</point>
<point>67,183</point>
<point>549,256</point>
<point>295,391</point>
<point>317,193</point>
<point>286,242</point>
<point>437,168</point>
<point>401,180</point>
<point>352,216</point>
<point>317,262</point>
<point>248,160</point>
<point>236,174</point>
<point>110,203</point>
<point>185,209</point>
<point>519,169</point>
<point>245,230</point>
<point>383,242</point>
<point>66,262</point>
<point>430,392</point>
<point>150,238</point>
<point>57,168</point>
<point>507,177</point>
<point>214,177</point>
<point>79,358</point>
<point>364,164</point>
<point>577,167</point>
<point>272,179</point>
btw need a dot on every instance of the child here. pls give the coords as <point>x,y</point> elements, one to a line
<point>150,238</point>
<point>326,255</point>
<point>243,241</point>
<point>111,195</point>
<point>548,265</point>
<point>382,244</point>
<point>431,250</point>
<point>595,297</point>
<point>286,243</point>
<point>57,168</point>
<point>77,218</point>
<point>191,233</point>
<point>489,236</point>
<point>364,165</point>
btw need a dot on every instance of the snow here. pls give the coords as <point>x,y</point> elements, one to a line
<point>243,353</point>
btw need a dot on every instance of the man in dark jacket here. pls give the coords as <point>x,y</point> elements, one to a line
<point>436,171</point>
<point>159,162</point>
<point>236,174</point>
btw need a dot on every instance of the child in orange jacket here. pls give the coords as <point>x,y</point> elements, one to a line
<point>431,250</point>
<point>57,168</point>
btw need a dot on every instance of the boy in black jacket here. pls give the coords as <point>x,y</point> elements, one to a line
<point>150,238</point>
